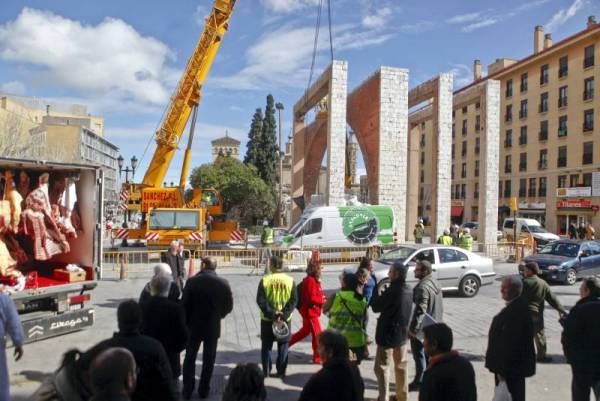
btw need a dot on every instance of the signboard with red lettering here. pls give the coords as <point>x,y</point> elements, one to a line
<point>575,204</point>
<point>165,198</point>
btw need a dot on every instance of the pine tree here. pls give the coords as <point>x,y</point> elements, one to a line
<point>254,138</point>
<point>267,160</point>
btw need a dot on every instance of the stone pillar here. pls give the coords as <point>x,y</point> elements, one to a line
<point>297,168</point>
<point>336,132</point>
<point>488,198</point>
<point>412,190</point>
<point>442,114</point>
<point>393,144</point>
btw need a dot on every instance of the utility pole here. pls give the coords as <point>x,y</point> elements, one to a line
<point>279,107</point>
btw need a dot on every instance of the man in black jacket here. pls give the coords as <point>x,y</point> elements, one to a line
<point>391,334</point>
<point>154,380</point>
<point>428,299</point>
<point>339,379</point>
<point>510,354</point>
<point>174,291</point>
<point>580,341</point>
<point>206,300</point>
<point>175,260</point>
<point>449,376</point>
<point>164,320</point>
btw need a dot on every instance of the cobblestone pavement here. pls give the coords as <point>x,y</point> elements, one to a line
<point>240,342</point>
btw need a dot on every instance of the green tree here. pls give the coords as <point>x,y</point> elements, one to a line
<point>243,191</point>
<point>254,138</point>
<point>267,160</point>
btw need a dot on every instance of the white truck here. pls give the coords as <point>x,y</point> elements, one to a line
<point>52,293</point>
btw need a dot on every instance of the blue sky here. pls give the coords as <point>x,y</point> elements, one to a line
<point>123,59</point>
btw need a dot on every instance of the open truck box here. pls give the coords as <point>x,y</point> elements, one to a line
<point>51,303</point>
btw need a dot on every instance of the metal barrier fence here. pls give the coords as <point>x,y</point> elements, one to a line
<point>510,251</point>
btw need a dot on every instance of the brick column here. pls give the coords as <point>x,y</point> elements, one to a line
<point>336,132</point>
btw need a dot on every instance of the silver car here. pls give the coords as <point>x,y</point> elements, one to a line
<point>454,268</point>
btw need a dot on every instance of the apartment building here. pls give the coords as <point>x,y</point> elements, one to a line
<point>549,136</point>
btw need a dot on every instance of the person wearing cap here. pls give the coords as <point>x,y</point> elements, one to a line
<point>276,297</point>
<point>445,238</point>
<point>419,232</point>
<point>466,241</point>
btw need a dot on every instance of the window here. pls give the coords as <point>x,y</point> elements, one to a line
<point>588,57</point>
<point>543,130</point>
<point>453,148</point>
<point>477,145</point>
<point>588,120</point>
<point>563,66</point>
<point>562,157</point>
<point>562,96</point>
<point>508,164</point>
<point>422,178</point>
<point>562,126</point>
<point>507,187</point>
<point>509,88</point>
<point>477,106</point>
<point>453,130</point>
<point>499,189</point>
<point>477,123</point>
<point>588,88</point>
<point>476,192</point>
<point>508,140</point>
<point>532,187</point>
<point>543,161</point>
<point>524,82</point>
<point>451,255</point>
<point>574,180</point>
<point>463,191</point>
<point>508,115</point>
<point>588,152</point>
<point>542,190</point>
<point>313,226</point>
<point>464,149</point>
<point>463,171</point>
<point>422,158</point>
<point>523,161</point>
<point>452,172</point>
<point>523,111</point>
<point>544,102</point>
<point>453,113</point>
<point>544,74</point>
<point>464,127</point>
<point>422,140</point>
<point>523,136</point>
<point>426,254</point>
<point>587,180</point>
<point>522,187</point>
<point>476,168</point>
<point>562,181</point>
<point>183,220</point>
<point>464,110</point>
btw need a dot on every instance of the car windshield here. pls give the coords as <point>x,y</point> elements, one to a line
<point>536,229</point>
<point>561,249</point>
<point>297,226</point>
<point>399,253</point>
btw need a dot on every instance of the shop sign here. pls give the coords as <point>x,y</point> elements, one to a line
<point>574,204</point>
<point>573,192</point>
<point>457,203</point>
<point>596,183</point>
<point>532,205</point>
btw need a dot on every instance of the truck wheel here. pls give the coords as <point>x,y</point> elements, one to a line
<point>469,286</point>
<point>383,285</point>
<point>571,277</point>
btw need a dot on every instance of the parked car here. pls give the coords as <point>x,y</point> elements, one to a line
<point>528,227</point>
<point>473,226</point>
<point>567,260</point>
<point>454,268</point>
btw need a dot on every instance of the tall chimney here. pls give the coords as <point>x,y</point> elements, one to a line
<point>538,39</point>
<point>47,109</point>
<point>591,21</point>
<point>547,41</point>
<point>476,70</point>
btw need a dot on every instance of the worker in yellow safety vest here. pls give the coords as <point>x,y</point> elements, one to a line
<point>266,239</point>
<point>276,298</point>
<point>346,312</point>
<point>419,232</point>
<point>466,241</point>
<point>445,238</point>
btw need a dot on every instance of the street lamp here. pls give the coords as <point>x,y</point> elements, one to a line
<point>127,170</point>
<point>279,107</point>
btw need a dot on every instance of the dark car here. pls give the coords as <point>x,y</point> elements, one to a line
<point>567,260</point>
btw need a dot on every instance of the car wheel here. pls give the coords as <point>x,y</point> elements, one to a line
<point>571,277</point>
<point>383,285</point>
<point>469,286</point>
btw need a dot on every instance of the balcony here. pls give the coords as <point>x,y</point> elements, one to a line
<point>522,166</point>
<point>523,140</point>
<point>543,107</point>
<point>542,164</point>
<point>588,127</point>
<point>588,158</point>
<point>543,136</point>
<point>588,62</point>
<point>588,94</point>
<point>507,143</point>
<point>562,102</point>
<point>561,162</point>
<point>522,114</point>
<point>563,72</point>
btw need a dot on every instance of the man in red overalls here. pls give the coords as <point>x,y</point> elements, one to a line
<point>311,305</point>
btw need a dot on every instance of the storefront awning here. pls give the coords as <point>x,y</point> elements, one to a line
<point>456,211</point>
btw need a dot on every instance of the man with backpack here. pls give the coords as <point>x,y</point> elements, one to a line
<point>310,305</point>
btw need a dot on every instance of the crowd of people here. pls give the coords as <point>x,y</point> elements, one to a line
<point>142,360</point>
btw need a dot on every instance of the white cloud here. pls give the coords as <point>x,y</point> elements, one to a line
<point>563,15</point>
<point>480,24</point>
<point>288,6</point>
<point>463,75</point>
<point>110,59</point>
<point>417,27</point>
<point>377,19</point>
<point>461,19</point>
<point>13,88</point>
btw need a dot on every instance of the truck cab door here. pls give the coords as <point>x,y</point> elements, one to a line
<point>312,233</point>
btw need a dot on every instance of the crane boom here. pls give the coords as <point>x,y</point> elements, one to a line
<point>187,93</point>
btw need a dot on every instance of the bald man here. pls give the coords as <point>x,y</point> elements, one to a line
<point>113,375</point>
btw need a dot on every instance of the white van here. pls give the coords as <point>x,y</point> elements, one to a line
<point>333,226</point>
<point>528,226</point>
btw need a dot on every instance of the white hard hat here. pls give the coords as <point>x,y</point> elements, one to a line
<point>265,223</point>
<point>420,220</point>
<point>466,230</point>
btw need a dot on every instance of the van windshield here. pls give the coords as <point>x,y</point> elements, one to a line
<point>294,230</point>
<point>537,229</point>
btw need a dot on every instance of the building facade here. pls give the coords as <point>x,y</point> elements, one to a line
<point>550,147</point>
<point>225,146</point>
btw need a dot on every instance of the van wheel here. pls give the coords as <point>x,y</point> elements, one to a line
<point>469,286</point>
<point>383,285</point>
<point>571,277</point>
